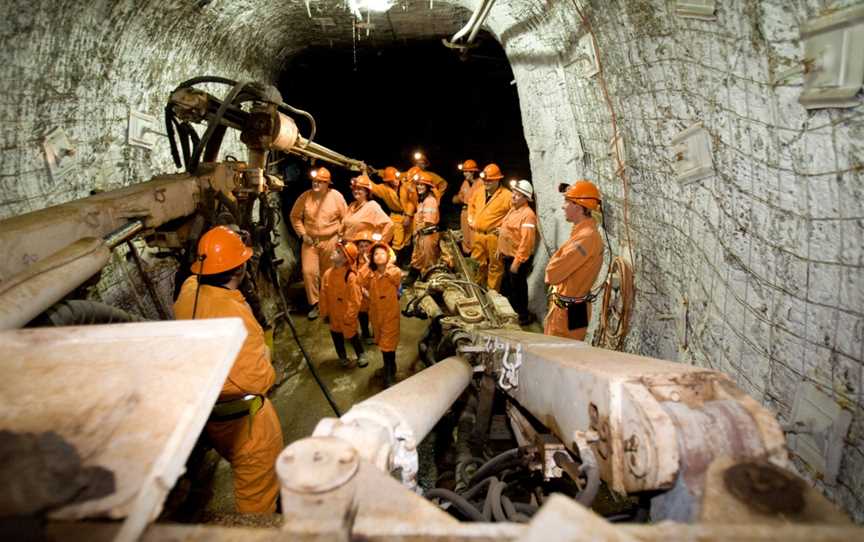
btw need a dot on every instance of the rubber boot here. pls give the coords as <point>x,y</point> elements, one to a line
<point>358,350</point>
<point>364,328</point>
<point>389,368</point>
<point>339,345</point>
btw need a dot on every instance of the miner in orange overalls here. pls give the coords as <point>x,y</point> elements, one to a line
<point>317,218</point>
<point>439,185</point>
<point>364,211</point>
<point>382,284</point>
<point>243,426</point>
<point>426,250</point>
<point>341,297</point>
<point>486,210</point>
<point>516,248</point>
<point>466,192</point>
<point>397,198</point>
<point>573,268</point>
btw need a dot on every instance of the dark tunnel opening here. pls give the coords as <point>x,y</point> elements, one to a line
<point>394,100</point>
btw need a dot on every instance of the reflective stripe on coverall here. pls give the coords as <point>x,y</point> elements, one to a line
<point>340,300</point>
<point>319,217</point>
<point>360,215</point>
<point>426,249</point>
<point>571,272</point>
<point>518,233</point>
<point>486,217</point>
<point>383,288</point>
<point>252,454</point>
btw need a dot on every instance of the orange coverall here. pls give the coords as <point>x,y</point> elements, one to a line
<point>396,198</point>
<point>485,217</point>
<point>361,215</point>
<point>252,454</point>
<point>440,185</point>
<point>572,271</point>
<point>383,288</point>
<point>426,248</point>
<point>518,234</point>
<point>466,192</point>
<point>320,217</point>
<point>341,297</point>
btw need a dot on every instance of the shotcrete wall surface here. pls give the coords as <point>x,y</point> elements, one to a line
<point>755,270</point>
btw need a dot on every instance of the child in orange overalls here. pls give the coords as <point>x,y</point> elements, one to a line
<point>341,296</point>
<point>382,283</point>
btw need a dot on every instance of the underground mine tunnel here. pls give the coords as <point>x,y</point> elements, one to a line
<point>680,356</point>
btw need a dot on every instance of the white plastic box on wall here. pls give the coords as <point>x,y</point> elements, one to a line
<point>692,154</point>
<point>833,59</point>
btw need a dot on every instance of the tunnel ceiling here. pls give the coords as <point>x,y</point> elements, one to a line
<point>278,30</point>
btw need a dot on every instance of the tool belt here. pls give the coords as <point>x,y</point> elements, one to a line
<point>496,232</point>
<point>428,230</point>
<point>234,409</point>
<point>576,307</point>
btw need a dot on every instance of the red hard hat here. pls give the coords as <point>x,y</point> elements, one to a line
<point>584,193</point>
<point>468,165</point>
<point>492,173</point>
<point>320,174</point>
<point>219,250</point>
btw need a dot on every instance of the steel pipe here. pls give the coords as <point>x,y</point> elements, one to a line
<point>33,291</point>
<point>29,293</point>
<point>386,428</point>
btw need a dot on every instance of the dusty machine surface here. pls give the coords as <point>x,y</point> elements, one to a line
<point>122,407</point>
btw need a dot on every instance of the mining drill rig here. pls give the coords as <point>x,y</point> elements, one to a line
<point>505,435</point>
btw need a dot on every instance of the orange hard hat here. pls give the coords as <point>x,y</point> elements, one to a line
<point>412,172</point>
<point>390,175</point>
<point>421,177</point>
<point>366,232</point>
<point>362,181</point>
<point>468,165</point>
<point>220,249</point>
<point>321,174</point>
<point>362,235</point>
<point>584,193</point>
<point>350,251</point>
<point>492,173</point>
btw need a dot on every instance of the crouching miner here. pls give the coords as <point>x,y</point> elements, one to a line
<point>243,426</point>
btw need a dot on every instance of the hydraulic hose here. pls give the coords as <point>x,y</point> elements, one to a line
<point>199,148</point>
<point>497,463</point>
<point>81,312</point>
<point>575,471</point>
<point>466,508</point>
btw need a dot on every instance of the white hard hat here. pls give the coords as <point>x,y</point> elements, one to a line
<point>524,187</point>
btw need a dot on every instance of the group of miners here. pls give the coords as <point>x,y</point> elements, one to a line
<point>350,259</point>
